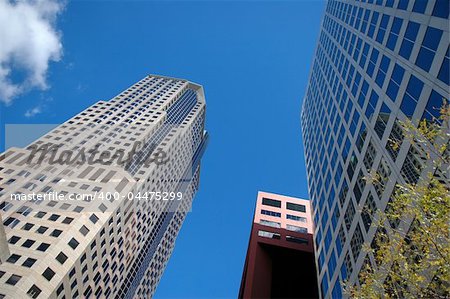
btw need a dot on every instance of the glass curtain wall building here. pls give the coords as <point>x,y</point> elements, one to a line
<point>114,240</point>
<point>377,62</point>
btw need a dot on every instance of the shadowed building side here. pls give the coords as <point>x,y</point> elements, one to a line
<point>280,254</point>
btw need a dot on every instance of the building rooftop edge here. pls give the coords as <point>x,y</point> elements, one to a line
<point>281,195</point>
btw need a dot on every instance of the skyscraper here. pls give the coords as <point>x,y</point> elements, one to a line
<point>280,254</point>
<point>122,174</point>
<point>377,62</point>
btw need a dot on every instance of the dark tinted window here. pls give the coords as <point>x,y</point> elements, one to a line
<point>296,240</point>
<point>271,202</point>
<point>48,274</point>
<point>295,207</point>
<point>61,257</point>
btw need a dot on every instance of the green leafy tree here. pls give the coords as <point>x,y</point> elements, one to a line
<point>411,248</point>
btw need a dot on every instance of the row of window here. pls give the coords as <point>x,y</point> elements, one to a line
<point>288,216</point>
<point>277,236</point>
<point>289,205</point>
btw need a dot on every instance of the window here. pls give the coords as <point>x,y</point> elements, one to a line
<point>27,226</point>
<point>43,247</point>
<point>372,62</point>
<point>13,279</point>
<point>382,120</point>
<point>347,266</point>
<point>360,139</point>
<point>410,37</point>
<point>60,289</point>
<point>337,291</point>
<point>55,233</point>
<point>271,202</point>
<point>93,218</point>
<point>48,274</point>
<point>84,230</point>
<point>295,207</point>
<point>384,172</point>
<point>270,223</point>
<point>356,242</point>
<point>373,23</point>
<point>11,222</point>
<point>395,82</point>
<point>295,228</point>
<point>265,234</point>
<point>412,95</point>
<point>42,229</point>
<point>381,75</point>
<point>61,257</point>
<point>5,206</point>
<point>24,173</point>
<point>10,181</point>
<point>34,291</point>
<point>420,6</point>
<point>393,35</point>
<point>369,157</point>
<point>434,104</point>
<point>365,54</point>
<point>72,273</point>
<point>445,71</point>
<point>382,30</point>
<point>270,213</point>
<point>67,220</point>
<point>354,122</point>
<point>412,166</point>
<point>40,214</point>
<point>427,50</point>
<point>363,94</point>
<point>87,292</point>
<point>441,9</point>
<point>349,214</point>
<point>13,258</point>
<point>102,208</point>
<point>332,265</point>
<point>324,284</point>
<point>28,243</point>
<point>296,240</point>
<point>295,218</point>
<point>29,262</point>
<point>373,101</point>
<point>368,211</point>
<point>403,4</point>
<point>53,217</point>
<point>335,216</point>
<point>73,243</point>
<point>395,140</point>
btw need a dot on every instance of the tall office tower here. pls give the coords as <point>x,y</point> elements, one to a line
<point>117,206</point>
<point>280,254</point>
<point>377,62</point>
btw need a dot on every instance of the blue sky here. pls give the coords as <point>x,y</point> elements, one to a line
<point>253,59</point>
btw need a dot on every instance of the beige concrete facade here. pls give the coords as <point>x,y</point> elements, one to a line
<point>112,243</point>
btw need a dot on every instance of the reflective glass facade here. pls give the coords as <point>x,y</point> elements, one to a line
<point>377,62</point>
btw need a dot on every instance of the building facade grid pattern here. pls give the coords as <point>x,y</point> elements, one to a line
<point>102,248</point>
<point>376,63</point>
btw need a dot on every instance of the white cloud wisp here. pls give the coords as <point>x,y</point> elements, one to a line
<point>28,42</point>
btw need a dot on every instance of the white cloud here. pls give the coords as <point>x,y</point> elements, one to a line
<point>34,111</point>
<point>39,108</point>
<point>28,42</point>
